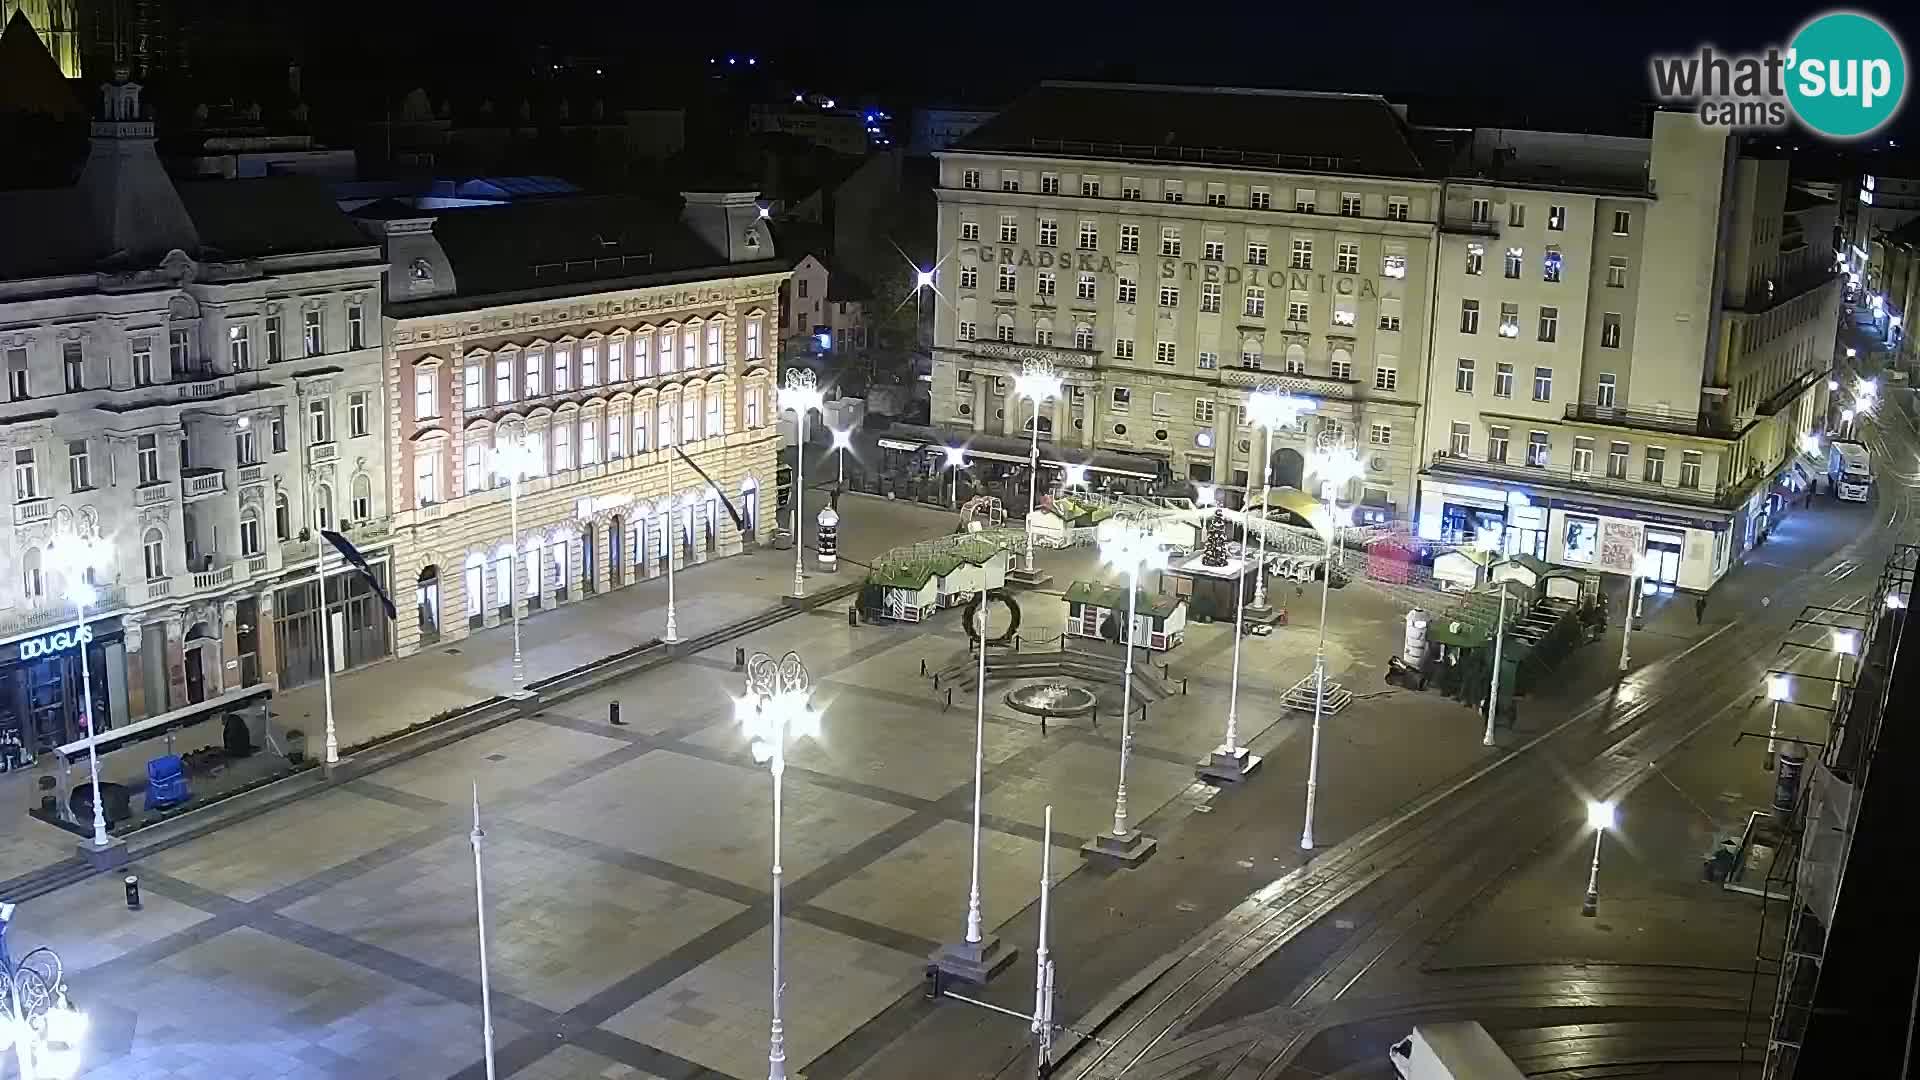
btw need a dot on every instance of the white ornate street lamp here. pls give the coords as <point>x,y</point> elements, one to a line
<point>1076,477</point>
<point>37,1021</point>
<point>775,707</point>
<point>75,557</point>
<point>976,958</point>
<point>477,837</point>
<point>1779,689</point>
<point>1600,816</point>
<point>802,396</point>
<point>1134,548</point>
<point>515,460</point>
<point>1844,644</point>
<point>956,460</point>
<point>1231,761</point>
<point>842,442</point>
<point>1335,466</point>
<point>1036,382</point>
<point>1269,407</point>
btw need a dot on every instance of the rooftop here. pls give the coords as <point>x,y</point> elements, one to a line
<point>1359,134</point>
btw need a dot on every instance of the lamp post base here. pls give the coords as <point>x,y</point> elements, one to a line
<point>111,857</point>
<point>1028,577</point>
<point>1132,849</point>
<point>1590,907</point>
<point>1228,768</point>
<point>972,962</point>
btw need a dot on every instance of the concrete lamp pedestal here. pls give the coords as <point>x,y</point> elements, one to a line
<point>1228,768</point>
<point>111,857</point>
<point>970,962</point>
<point>1132,849</point>
<point>1028,578</point>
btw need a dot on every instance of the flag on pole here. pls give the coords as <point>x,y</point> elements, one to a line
<point>352,554</point>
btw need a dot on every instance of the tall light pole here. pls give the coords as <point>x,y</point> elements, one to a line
<point>976,958</point>
<point>1134,548</point>
<point>674,546</point>
<point>1269,407</point>
<point>1036,382</point>
<point>1779,689</point>
<point>776,706</point>
<point>1042,959</point>
<point>1844,644</point>
<point>1335,466</point>
<point>1493,691</point>
<point>842,441</point>
<point>1600,817</point>
<point>515,460</point>
<point>1846,422</point>
<point>480,918</point>
<point>956,460</point>
<point>75,557</point>
<point>802,396</point>
<point>1230,761</point>
<point>1642,569</point>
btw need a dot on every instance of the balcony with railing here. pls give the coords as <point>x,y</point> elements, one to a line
<point>252,474</point>
<point>53,613</point>
<point>320,453</point>
<point>1702,425</point>
<point>32,511</point>
<point>198,483</point>
<point>1323,386</point>
<point>153,494</point>
<point>1562,476</point>
<point>1468,225</point>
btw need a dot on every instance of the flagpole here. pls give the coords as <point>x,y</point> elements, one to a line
<point>326,632</point>
<point>480,917</point>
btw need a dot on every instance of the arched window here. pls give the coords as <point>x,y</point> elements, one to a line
<point>323,506</point>
<point>362,498</point>
<point>250,545</point>
<point>282,517</point>
<point>33,581</point>
<point>153,549</point>
<point>1003,327</point>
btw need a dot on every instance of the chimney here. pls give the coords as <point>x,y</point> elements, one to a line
<point>731,223</point>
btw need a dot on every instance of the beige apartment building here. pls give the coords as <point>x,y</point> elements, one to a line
<point>602,337</point>
<point>1170,250</point>
<point>1630,337</point>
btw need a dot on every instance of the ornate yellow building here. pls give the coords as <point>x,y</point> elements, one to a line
<point>58,24</point>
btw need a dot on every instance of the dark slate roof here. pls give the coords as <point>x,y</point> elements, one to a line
<point>1287,130</point>
<point>562,247</point>
<point>273,215</point>
<point>48,231</point>
<point>1800,199</point>
<point>1907,236</point>
<point>30,80</point>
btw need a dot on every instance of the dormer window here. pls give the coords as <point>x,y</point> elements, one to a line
<point>753,238</point>
<point>421,270</point>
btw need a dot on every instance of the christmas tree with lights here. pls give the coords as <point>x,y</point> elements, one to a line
<point>1213,548</point>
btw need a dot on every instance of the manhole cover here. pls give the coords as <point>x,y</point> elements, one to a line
<point>496,757</point>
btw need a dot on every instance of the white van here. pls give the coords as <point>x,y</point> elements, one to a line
<point>1458,1051</point>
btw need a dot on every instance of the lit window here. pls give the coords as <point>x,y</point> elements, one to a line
<point>425,404</point>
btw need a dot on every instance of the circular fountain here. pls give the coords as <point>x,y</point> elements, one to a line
<point>1051,699</point>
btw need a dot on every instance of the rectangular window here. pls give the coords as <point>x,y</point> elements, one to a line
<point>1214,251</point>
<point>1130,188</point>
<point>1123,348</point>
<point>426,476</point>
<point>535,360</point>
<point>1469,316</point>
<point>1539,449</point>
<point>1622,222</point>
<point>1216,194</point>
<point>1393,264</point>
<point>1009,279</point>
<point>1349,204</point>
<point>562,445</point>
<point>590,438</point>
<point>617,356</point>
<point>689,349</point>
<point>969,232</point>
<point>1009,229</point>
<point>1049,183</point>
<point>312,340</point>
<point>502,380</point>
<point>641,414</point>
<point>1509,320</point>
<point>1516,214</point>
<point>1556,218</point>
<point>966,331</point>
<point>1497,444</point>
<point>1302,254</point>
<point>970,179</point>
<point>1482,210</point>
<point>1085,289</point>
<point>616,436</point>
<point>1343,313</point>
<point>1380,434</point>
<point>1122,399</point>
<point>1603,392</point>
<point>19,384</point>
<point>1260,199</point>
<point>1170,241</point>
<point>665,352</point>
<point>1295,364</point>
<point>1656,467</point>
<point>1208,361</point>
<point>474,466</point>
<point>1251,355</point>
<point>425,403</point>
<point>1004,331</point>
<point>1089,187</point>
<point>1303,200</point>
<point>1346,259</point>
<point>143,361</point>
<point>1460,441</point>
<point>1203,411</point>
<point>753,339</point>
<point>1550,265</point>
<point>1089,236</point>
<point>1516,260</point>
<point>642,347</point>
<point>276,352</point>
<point>1210,296</point>
<point>1044,283</point>
<point>319,422</point>
<point>244,449</point>
<point>1503,380</point>
<point>1543,384</point>
<point>1397,208</point>
<point>1617,461</point>
<point>1340,369</point>
<point>1163,405</point>
<point>357,413</point>
<point>1165,352</point>
<point>1690,468</point>
<point>1582,456</point>
<point>1256,302</point>
<point>26,476</point>
<point>1298,311</point>
<point>1549,323</point>
<point>80,465</point>
<point>1129,239</point>
<point>1129,290</point>
<point>1476,259</point>
<point>277,430</point>
<point>73,366</point>
<point>1173,191</point>
<point>1169,296</point>
<point>1610,330</point>
<point>356,326</point>
<point>1386,378</point>
<point>1616,271</point>
<point>1257,254</point>
<point>1083,337</point>
<point>969,277</point>
<point>147,457</point>
<point>1390,322</point>
<point>1009,180</point>
<point>590,364</point>
<point>473,386</point>
<point>1463,376</point>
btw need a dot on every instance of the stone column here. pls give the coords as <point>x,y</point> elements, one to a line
<point>136,669</point>
<point>979,401</point>
<point>1062,419</point>
<point>267,634</point>
<point>1091,415</point>
<point>221,679</point>
<point>606,576</point>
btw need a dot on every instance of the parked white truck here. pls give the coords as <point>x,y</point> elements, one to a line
<point>1455,1051</point>
<point>1850,469</point>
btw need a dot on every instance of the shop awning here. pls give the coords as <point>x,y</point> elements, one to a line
<point>157,727</point>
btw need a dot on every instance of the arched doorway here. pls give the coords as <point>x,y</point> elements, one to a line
<point>616,551</point>
<point>504,583</point>
<point>198,641</point>
<point>750,505</point>
<point>474,585</point>
<point>426,598</point>
<point>589,558</point>
<point>1289,468</point>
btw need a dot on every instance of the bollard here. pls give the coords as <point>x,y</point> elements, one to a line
<point>923,667</point>
<point>133,893</point>
<point>1183,686</point>
<point>613,713</point>
<point>853,616</point>
<point>739,658</point>
<point>949,697</point>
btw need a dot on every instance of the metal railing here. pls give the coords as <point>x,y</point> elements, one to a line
<point>1650,420</point>
<point>1567,476</point>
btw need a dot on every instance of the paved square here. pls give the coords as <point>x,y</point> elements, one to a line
<point>528,753</point>
<point>921,886</point>
<point>1079,781</point>
<point>717,1014</point>
<point>573,1063</point>
<point>245,1004</point>
<point>88,923</point>
<point>562,927</point>
<point>252,858</point>
<point>710,817</point>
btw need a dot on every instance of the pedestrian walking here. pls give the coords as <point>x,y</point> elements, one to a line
<point>1700,610</point>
